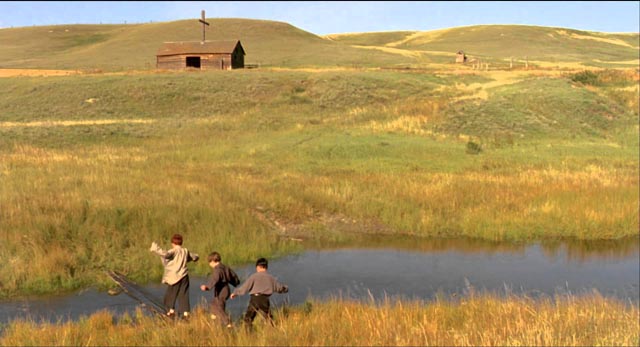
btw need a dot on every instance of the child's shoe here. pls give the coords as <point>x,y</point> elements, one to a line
<point>185,316</point>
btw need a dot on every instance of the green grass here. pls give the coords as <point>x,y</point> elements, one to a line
<point>541,107</point>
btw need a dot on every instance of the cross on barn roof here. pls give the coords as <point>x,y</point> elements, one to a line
<point>204,22</point>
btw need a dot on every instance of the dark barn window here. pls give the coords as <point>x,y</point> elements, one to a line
<point>193,62</point>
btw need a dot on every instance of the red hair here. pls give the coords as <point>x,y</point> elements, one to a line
<point>177,239</point>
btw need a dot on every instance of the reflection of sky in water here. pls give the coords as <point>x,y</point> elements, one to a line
<point>378,272</point>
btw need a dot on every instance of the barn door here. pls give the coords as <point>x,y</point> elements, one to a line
<point>193,62</point>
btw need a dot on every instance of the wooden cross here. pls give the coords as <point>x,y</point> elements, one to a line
<point>204,22</point>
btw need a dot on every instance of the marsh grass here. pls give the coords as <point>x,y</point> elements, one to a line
<point>86,183</point>
<point>477,320</point>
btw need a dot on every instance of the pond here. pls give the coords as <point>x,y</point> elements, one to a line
<point>399,268</point>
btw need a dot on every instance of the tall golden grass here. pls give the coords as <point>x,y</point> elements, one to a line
<point>72,211</point>
<point>483,320</point>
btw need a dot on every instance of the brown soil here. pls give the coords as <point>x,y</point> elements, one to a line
<point>35,72</point>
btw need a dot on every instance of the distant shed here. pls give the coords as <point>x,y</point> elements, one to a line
<point>204,55</point>
<point>461,57</point>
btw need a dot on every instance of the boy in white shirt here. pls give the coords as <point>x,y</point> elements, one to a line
<point>176,275</point>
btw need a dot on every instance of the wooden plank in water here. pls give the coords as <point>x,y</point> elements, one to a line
<point>137,293</point>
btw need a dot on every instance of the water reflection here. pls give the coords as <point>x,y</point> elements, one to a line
<point>382,266</point>
<point>584,250</point>
<point>574,250</point>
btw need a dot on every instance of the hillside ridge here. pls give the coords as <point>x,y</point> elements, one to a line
<point>117,47</point>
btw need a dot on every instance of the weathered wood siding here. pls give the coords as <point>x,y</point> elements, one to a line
<point>207,61</point>
<point>171,62</point>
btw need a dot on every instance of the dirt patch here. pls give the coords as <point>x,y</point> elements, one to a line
<point>36,72</point>
<point>51,123</point>
<point>318,223</point>
<point>500,78</point>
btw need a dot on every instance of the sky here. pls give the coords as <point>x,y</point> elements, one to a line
<point>332,17</point>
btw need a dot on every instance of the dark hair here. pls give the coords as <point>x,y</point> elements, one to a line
<point>262,262</point>
<point>177,239</point>
<point>214,256</point>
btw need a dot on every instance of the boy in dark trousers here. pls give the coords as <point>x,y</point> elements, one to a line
<point>260,285</point>
<point>176,275</point>
<point>219,281</point>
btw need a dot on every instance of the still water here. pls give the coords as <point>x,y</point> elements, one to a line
<point>399,269</point>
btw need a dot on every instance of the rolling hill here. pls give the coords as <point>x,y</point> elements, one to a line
<point>118,47</point>
<point>501,42</point>
<point>278,44</point>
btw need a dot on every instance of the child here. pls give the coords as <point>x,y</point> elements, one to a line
<point>221,277</point>
<point>176,274</point>
<point>260,285</point>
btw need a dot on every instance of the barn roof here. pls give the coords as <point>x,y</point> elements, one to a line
<point>198,47</point>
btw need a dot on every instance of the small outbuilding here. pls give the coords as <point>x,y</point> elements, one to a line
<point>203,55</point>
<point>461,57</point>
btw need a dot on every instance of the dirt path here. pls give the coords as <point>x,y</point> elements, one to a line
<point>500,78</point>
<point>51,123</point>
<point>35,72</point>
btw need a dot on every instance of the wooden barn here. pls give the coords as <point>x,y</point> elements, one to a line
<point>203,55</point>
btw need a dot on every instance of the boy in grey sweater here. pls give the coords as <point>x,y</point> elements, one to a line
<point>260,286</point>
<point>176,274</point>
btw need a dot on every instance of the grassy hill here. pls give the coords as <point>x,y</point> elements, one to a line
<point>497,42</point>
<point>118,47</point>
<point>277,44</point>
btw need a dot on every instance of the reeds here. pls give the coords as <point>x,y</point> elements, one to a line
<point>477,320</point>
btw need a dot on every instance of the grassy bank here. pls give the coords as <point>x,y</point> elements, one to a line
<point>96,167</point>
<point>474,321</point>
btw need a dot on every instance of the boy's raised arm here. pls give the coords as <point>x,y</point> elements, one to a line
<point>157,250</point>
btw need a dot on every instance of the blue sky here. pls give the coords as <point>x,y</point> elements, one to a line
<point>328,17</point>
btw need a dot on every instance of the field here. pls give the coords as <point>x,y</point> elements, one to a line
<point>361,134</point>
<point>94,165</point>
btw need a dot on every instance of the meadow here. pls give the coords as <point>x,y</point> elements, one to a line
<point>97,166</point>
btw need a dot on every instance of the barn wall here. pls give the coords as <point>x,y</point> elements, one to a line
<point>171,62</point>
<point>207,61</point>
<point>216,62</point>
